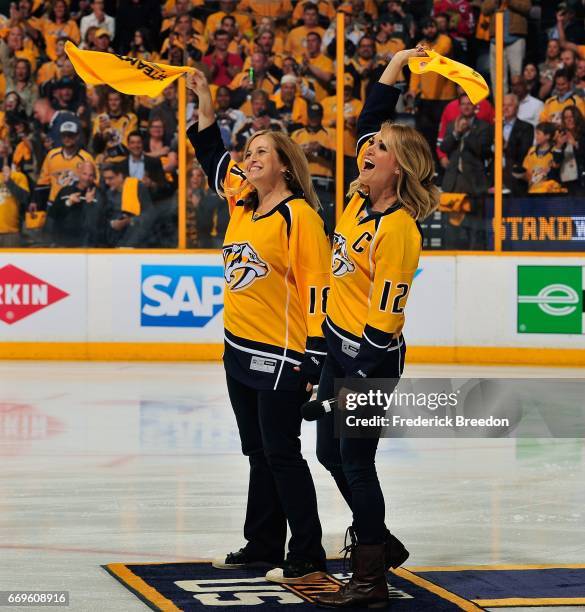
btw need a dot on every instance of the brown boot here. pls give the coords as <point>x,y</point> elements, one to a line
<point>367,586</point>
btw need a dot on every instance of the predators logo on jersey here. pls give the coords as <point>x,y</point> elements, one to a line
<point>341,264</point>
<point>242,265</point>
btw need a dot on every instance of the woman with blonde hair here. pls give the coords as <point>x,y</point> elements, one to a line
<point>276,259</point>
<point>376,248</point>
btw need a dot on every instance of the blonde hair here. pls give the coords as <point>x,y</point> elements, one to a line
<point>297,176</point>
<point>415,190</point>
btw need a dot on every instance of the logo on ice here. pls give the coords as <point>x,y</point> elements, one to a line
<point>550,299</point>
<point>22,294</point>
<point>180,296</point>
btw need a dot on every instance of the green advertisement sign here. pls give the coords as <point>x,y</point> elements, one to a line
<point>550,299</point>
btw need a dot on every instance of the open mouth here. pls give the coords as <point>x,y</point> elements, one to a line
<point>254,167</point>
<point>368,164</point>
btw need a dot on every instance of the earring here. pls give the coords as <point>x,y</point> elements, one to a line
<point>288,175</point>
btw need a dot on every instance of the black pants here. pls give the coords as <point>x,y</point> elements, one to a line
<point>281,487</point>
<point>352,461</point>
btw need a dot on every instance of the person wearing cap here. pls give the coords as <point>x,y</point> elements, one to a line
<point>57,24</point>
<point>51,120</point>
<point>102,40</point>
<point>316,67</point>
<point>351,110</point>
<point>60,165</point>
<point>318,144</point>
<point>98,19</point>
<point>296,40</point>
<point>291,109</point>
<point>516,14</point>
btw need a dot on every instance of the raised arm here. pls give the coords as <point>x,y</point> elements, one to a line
<point>197,83</point>
<point>206,137</point>
<point>382,99</point>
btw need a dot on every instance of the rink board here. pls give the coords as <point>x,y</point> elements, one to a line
<point>169,306</point>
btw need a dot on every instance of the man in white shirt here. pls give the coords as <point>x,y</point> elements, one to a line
<point>529,107</point>
<point>97,18</point>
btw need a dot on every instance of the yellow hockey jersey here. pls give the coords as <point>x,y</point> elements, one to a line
<point>276,279</point>
<point>374,261</point>
<point>59,170</point>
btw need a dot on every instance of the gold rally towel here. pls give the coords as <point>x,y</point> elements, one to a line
<point>472,82</point>
<point>127,75</point>
<point>130,201</point>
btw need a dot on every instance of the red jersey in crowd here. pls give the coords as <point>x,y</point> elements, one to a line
<point>461,14</point>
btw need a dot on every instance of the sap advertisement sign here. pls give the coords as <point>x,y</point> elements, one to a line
<point>180,296</point>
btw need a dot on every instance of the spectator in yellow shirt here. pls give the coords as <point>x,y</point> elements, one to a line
<point>325,8</point>
<point>16,46</point>
<point>227,7</point>
<point>239,44</point>
<point>387,41</point>
<point>256,77</point>
<point>114,123</point>
<point>14,197</point>
<point>60,165</point>
<point>277,9</point>
<point>291,109</point>
<point>265,43</point>
<point>52,70</point>
<point>21,16</point>
<point>296,40</point>
<point>58,24</point>
<point>542,170</point>
<point>554,107</point>
<point>316,67</point>
<point>318,144</point>
<point>182,7</point>
<point>366,64</point>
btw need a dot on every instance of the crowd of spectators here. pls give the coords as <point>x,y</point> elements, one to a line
<point>86,166</point>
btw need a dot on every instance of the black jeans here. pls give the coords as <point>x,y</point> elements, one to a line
<point>281,487</point>
<point>352,461</point>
